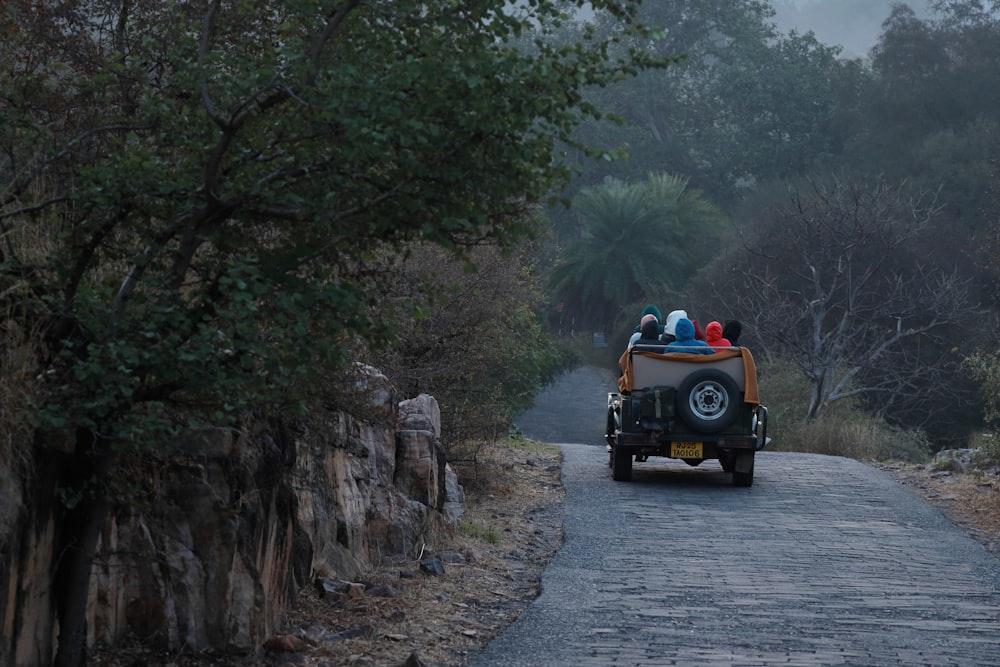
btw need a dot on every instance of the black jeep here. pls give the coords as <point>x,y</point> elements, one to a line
<point>686,406</point>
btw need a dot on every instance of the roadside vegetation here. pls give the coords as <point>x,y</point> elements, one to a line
<point>211,209</point>
<point>846,429</point>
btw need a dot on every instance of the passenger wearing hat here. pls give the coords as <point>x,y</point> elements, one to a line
<point>646,326</point>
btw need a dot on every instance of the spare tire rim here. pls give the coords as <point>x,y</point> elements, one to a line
<point>708,400</point>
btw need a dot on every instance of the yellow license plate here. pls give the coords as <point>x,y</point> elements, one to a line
<point>685,450</point>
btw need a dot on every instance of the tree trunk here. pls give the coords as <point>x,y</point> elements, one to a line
<point>816,398</point>
<point>89,469</point>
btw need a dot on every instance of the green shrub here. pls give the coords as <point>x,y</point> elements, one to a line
<point>984,367</point>
<point>988,444</point>
<point>479,532</point>
<point>476,344</point>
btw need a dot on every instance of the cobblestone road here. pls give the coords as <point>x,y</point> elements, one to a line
<point>824,561</point>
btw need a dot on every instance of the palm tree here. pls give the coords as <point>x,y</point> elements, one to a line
<point>635,245</point>
<point>698,225</point>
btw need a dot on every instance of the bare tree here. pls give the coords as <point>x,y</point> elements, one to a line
<point>833,283</point>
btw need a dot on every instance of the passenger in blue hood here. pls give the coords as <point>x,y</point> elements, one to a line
<point>685,341</point>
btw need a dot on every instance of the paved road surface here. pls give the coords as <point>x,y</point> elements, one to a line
<point>824,561</point>
<point>574,408</point>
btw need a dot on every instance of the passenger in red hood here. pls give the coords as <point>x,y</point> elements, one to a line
<point>713,335</point>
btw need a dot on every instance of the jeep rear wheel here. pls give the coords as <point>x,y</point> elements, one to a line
<point>743,470</point>
<point>621,469</point>
<point>744,479</point>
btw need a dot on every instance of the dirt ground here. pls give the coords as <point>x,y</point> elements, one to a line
<point>969,500</point>
<point>511,529</point>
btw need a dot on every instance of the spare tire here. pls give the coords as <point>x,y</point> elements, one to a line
<point>708,400</point>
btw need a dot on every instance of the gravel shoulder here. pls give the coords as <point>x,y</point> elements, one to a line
<point>971,501</point>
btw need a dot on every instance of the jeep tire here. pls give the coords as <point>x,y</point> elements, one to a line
<point>709,400</point>
<point>621,468</point>
<point>743,469</point>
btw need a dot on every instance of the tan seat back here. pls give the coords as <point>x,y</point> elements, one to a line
<point>660,370</point>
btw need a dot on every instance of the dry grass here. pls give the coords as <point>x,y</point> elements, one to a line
<point>841,430</point>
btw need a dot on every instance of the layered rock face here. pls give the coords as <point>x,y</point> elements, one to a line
<point>238,524</point>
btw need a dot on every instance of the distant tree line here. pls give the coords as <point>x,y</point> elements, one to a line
<point>860,195</point>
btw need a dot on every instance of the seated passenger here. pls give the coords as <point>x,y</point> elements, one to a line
<point>646,319</point>
<point>650,309</point>
<point>714,337</point>
<point>685,340</point>
<point>698,333</point>
<point>732,330</point>
<point>649,334</point>
<point>668,330</point>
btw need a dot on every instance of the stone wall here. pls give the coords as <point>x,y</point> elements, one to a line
<point>238,525</point>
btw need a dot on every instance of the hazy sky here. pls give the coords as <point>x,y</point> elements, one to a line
<point>852,24</point>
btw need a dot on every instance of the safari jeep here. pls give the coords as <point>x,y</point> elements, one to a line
<point>686,406</point>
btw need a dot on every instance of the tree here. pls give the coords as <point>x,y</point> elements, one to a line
<point>637,242</point>
<point>196,198</point>
<point>667,115</point>
<point>985,369</point>
<point>475,322</point>
<point>929,76</point>
<point>745,105</point>
<point>983,364</point>
<point>929,115</point>
<point>778,118</point>
<point>831,283</point>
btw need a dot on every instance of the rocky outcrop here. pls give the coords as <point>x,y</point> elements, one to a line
<point>964,461</point>
<point>231,527</point>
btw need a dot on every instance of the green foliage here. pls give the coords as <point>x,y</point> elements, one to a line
<point>219,186</point>
<point>477,345</point>
<point>637,242</point>
<point>929,75</point>
<point>479,532</point>
<point>985,369</point>
<point>745,104</point>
